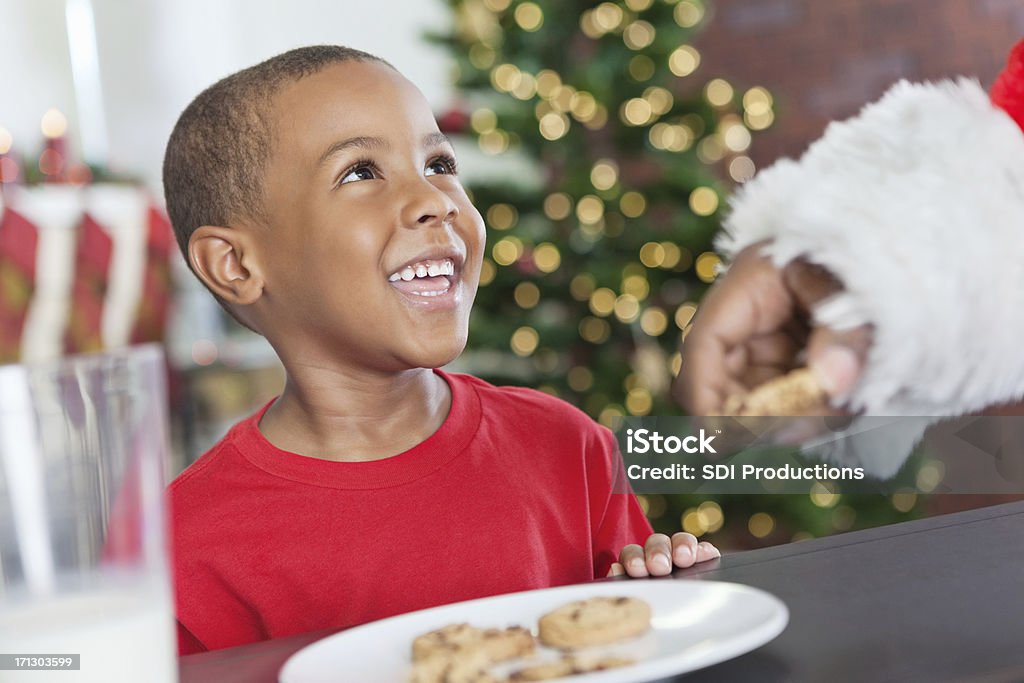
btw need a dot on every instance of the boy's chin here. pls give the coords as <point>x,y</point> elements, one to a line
<point>440,356</point>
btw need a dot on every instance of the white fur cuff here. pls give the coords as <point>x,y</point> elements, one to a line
<point>917,206</point>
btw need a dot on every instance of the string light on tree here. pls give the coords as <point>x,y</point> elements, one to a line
<point>602,302</point>
<point>594,330</point>
<point>761,524</point>
<point>742,169</point>
<point>582,287</point>
<point>558,206</point>
<point>590,209</point>
<point>524,341</point>
<point>529,16</point>
<point>502,216</point>
<point>654,322</point>
<point>547,257</point>
<point>487,272</point>
<point>483,120</point>
<point>507,251</point>
<point>632,204</point>
<point>718,92</point>
<point>703,201</point>
<point>527,295</point>
<point>689,13</point>
<point>638,35</point>
<point>580,379</point>
<point>684,314</point>
<point>684,61</point>
<point>604,174</point>
<point>707,266</point>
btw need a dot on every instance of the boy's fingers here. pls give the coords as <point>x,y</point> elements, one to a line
<point>684,549</point>
<point>658,551</point>
<point>632,559</point>
<point>616,569</point>
<point>706,551</point>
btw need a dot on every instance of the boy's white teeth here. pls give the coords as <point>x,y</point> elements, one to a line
<point>424,269</point>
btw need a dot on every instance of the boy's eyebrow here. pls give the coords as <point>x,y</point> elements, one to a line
<point>366,142</point>
<point>435,139</point>
<point>362,142</point>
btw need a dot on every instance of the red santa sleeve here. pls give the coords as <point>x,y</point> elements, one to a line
<point>615,514</point>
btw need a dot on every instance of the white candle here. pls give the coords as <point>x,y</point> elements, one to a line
<point>85,69</point>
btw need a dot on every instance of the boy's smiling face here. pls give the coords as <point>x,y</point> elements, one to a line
<point>372,251</point>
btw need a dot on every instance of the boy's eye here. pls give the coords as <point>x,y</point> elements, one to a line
<point>441,166</point>
<point>361,171</point>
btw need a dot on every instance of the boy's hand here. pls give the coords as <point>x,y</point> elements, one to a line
<point>753,325</point>
<point>660,553</point>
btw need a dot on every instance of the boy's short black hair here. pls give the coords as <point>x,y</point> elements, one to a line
<point>217,154</point>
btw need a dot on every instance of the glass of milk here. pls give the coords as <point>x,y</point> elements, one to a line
<point>83,560</point>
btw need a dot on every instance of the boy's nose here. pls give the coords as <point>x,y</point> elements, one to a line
<point>430,205</point>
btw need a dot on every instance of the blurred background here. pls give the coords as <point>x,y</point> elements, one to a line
<point>600,141</point>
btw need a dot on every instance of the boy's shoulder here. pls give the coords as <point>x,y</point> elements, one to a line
<point>219,458</point>
<point>518,402</point>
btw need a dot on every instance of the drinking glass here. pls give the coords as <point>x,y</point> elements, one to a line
<point>83,559</point>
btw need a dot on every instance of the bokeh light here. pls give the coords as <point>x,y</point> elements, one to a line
<point>54,123</point>
<point>529,16</point>
<point>760,524</point>
<point>546,257</point>
<point>718,92</point>
<point>684,60</point>
<point>557,206</point>
<point>502,216</point>
<point>526,295</point>
<point>604,174</point>
<point>688,13</point>
<point>703,201</point>
<point>524,341</point>
<point>602,301</point>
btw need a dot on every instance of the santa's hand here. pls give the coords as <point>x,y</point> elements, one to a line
<point>753,326</point>
<point>660,554</point>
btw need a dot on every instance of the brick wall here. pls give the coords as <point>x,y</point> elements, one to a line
<point>824,59</point>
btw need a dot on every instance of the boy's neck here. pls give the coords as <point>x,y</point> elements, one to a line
<point>346,417</point>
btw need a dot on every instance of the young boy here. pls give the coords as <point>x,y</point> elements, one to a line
<point>315,197</point>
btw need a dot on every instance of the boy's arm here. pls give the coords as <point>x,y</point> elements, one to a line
<point>616,518</point>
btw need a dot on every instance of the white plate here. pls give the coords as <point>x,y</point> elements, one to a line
<point>695,624</point>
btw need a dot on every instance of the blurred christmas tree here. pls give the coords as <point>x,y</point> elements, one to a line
<point>600,224</point>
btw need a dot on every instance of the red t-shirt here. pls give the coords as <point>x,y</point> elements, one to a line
<point>515,491</point>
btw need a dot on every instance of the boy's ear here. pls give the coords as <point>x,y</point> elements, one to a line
<point>223,258</point>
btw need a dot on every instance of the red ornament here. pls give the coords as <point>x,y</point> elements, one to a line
<point>454,121</point>
<point>1008,91</point>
